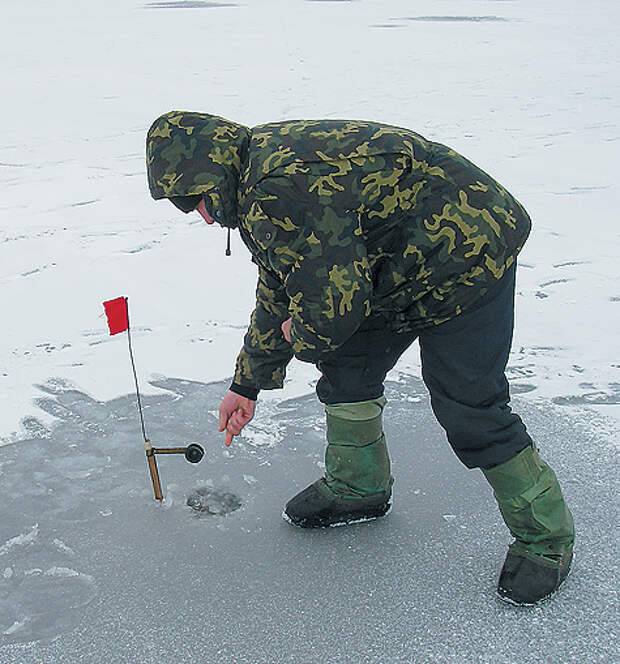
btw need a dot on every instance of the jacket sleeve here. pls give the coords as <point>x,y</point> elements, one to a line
<point>262,361</point>
<point>321,255</point>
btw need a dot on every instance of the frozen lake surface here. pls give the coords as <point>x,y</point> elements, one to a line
<point>93,569</point>
<point>528,90</point>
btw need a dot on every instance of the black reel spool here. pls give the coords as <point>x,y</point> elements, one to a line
<point>194,453</point>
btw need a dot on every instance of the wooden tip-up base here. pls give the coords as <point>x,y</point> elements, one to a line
<point>150,457</point>
<point>193,453</point>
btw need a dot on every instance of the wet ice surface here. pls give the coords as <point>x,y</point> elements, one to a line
<point>93,569</point>
<point>515,86</point>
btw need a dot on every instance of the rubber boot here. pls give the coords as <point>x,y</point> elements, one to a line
<point>533,508</point>
<point>357,485</point>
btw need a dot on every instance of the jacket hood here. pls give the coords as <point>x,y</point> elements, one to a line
<point>190,154</point>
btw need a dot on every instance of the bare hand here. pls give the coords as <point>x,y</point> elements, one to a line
<point>235,412</point>
<point>286,329</point>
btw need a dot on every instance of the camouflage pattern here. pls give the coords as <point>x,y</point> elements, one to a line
<point>345,219</point>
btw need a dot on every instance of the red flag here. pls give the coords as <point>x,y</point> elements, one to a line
<point>118,314</point>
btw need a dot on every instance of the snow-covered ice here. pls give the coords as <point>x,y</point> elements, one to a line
<point>90,568</point>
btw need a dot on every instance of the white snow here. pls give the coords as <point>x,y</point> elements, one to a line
<point>15,627</point>
<point>67,573</point>
<point>24,539</point>
<point>528,90</point>
<point>61,546</point>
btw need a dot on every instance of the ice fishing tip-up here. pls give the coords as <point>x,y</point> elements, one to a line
<point>193,453</point>
<point>117,313</point>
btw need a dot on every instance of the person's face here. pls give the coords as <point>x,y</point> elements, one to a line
<point>202,210</point>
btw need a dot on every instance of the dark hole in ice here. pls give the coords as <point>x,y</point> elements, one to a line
<point>209,500</point>
<point>188,4</point>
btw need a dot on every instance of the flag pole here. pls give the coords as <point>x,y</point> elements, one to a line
<point>135,377</point>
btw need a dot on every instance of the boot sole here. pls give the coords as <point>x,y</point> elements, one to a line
<point>381,511</point>
<point>542,600</point>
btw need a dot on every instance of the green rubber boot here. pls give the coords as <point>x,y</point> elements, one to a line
<point>533,508</point>
<point>357,485</point>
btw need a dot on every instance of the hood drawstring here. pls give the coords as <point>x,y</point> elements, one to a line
<point>228,253</point>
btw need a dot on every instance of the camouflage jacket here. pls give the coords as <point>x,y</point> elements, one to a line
<point>346,220</point>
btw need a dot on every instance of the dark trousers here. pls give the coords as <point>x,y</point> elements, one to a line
<point>463,367</point>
